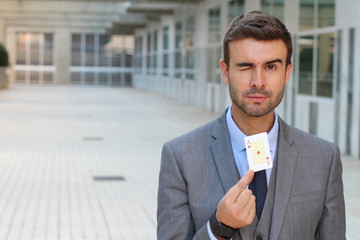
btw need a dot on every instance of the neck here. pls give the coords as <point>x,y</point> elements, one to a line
<point>252,125</point>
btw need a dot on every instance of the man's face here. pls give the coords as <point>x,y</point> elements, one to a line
<point>256,75</point>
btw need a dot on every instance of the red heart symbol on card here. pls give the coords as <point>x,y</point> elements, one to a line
<point>267,158</point>
<point>249,146</point>
<point>258,152</point>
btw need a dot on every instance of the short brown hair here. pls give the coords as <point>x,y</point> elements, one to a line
<point>260,26</point>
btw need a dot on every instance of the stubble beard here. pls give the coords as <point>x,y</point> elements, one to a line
<point>255,110</point>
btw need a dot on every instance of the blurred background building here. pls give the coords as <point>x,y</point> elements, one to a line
<point>173,47</point>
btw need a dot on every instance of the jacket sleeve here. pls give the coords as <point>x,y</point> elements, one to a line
<point>332,223</point>
<point>173,213</point>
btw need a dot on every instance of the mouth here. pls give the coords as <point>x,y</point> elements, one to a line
<point>257,98</point>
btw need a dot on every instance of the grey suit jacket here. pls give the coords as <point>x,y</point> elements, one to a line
<point>198,168</point>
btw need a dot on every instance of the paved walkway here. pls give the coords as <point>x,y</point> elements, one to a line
<point>82,162</point>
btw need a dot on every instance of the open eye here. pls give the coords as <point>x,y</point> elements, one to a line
<point>271,67</point>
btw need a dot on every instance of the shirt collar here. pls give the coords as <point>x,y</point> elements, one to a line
<point>237,136</point>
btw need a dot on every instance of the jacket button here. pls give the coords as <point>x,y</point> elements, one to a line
<point>259,238</point>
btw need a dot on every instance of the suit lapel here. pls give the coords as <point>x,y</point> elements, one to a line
<point>222,153</point>
<point>286,161</point>
<point>225,163</point>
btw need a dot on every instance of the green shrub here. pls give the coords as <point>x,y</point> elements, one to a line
<point>4,57</point>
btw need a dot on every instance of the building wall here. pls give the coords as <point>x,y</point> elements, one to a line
<point>328,106</point>
<point>322,96</point>
<point>61,19</point>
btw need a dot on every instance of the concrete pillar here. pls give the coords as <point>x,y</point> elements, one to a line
<point>2,32</point>
<point>62,56</point>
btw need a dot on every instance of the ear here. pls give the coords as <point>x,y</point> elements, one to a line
<point>288,72</point>
<point>224,71</point>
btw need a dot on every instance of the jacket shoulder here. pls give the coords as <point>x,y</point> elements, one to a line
<point>198,135</point>
<point>304,139</point>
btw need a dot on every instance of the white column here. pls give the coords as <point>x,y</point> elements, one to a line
<point>62,50</point>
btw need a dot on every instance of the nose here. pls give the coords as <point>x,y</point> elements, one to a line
<point>257,78</point>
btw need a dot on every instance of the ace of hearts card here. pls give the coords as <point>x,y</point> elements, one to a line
<point>258,151</point>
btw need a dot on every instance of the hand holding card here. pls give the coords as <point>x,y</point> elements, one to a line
<point>258,151</point>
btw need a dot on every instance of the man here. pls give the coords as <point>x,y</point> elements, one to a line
<point>200,195</point>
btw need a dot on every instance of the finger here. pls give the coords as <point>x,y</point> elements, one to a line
<point>245,180</point>
<point>249,207</point>
<point>247,213</point>
<point>235,191</point>
<point>244,197</point>
<point>252,212</point>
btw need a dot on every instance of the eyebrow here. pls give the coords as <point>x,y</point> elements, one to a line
<point>274,61</point>
<point>248,64</point>
<point>244,64</point>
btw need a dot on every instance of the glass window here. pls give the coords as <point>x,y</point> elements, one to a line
<point>115,46</point>
<point>89,78</point>
<point>149,43</point>
<point>178,49</point>
<point>235,8</point>
<point>154,53</point>
<point>165,64</point>
<point>165,56</point>
<point>34,49</point>
<point>178,64</point>
<point>214,25</point>
<point>116,79</point>
<point>278,9</point>
<point>48,49</point>
<point>104,54</point>
<point>89,49</point>
<point>151,55</point>
<point>178,35</point>
<point>273,7</point>
<point>128,59</point>
<point>189,32</point>
<point>148,50</point>
<point>76,50</point>
<point>338,86</point>
<point>48,77</point>
<point>306,14</point>
<point>103,78</point>
<point>76,77</point>
<point>325,60</point>
<point>21,49</point>
<point>306,49</point>
<point>116,58</point>
<point>34,76</point>
<point>266,6</point>
<point>138,54</point>
<point>20,76</point>
<point>155,41</point>
<point>165,38</point>
<point>326,13</point>
<point>315,14</point>
<point>190,64</point>
<point>189,43</point>
<point>128,79</point>
<point>350,92</point>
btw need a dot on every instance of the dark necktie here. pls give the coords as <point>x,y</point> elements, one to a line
<point>259,188</point>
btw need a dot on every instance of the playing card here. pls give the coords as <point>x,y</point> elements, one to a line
<point>258,151</point>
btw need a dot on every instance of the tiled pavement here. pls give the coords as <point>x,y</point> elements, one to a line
<point>55,140</point>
